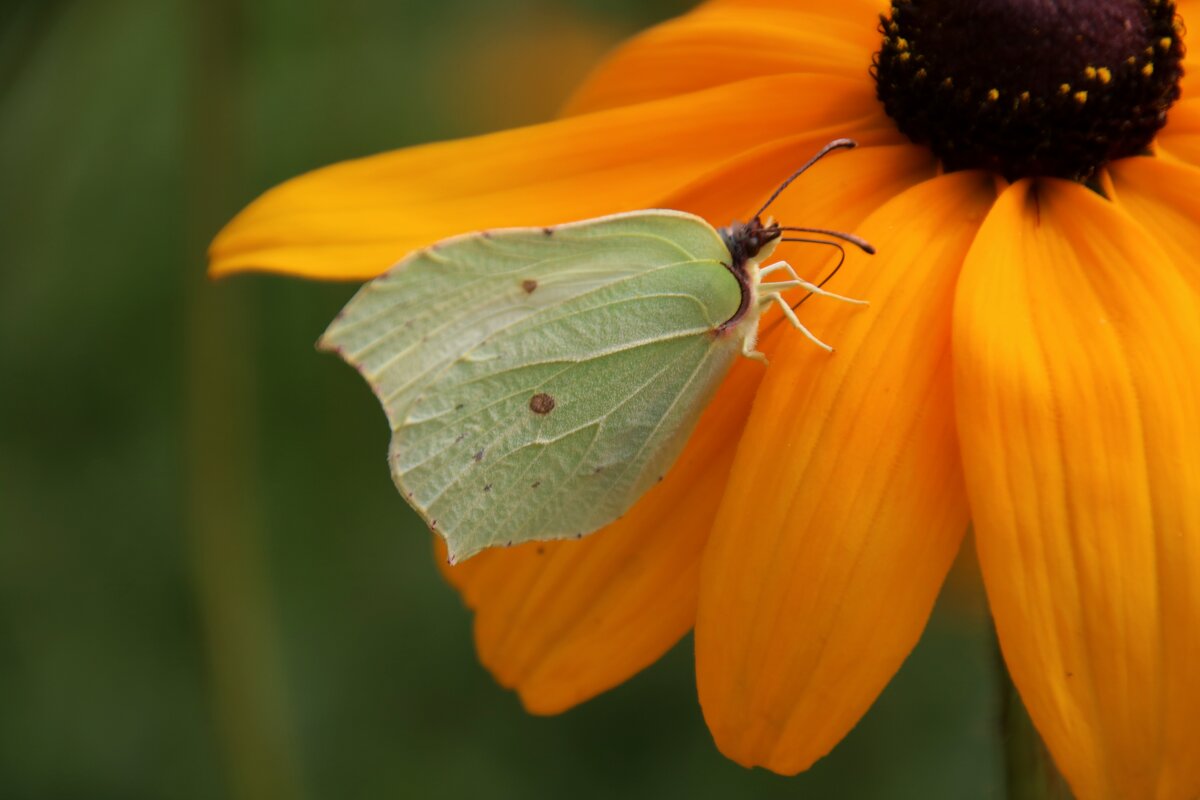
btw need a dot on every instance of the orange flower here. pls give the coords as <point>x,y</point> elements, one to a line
<point>1029,365</point>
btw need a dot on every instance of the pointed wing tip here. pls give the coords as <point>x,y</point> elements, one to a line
<point>454,556</point>
<point>325,344</point>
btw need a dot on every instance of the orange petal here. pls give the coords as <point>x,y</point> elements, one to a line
<point>1076,350</point>
<point>1165,199</point>
<point>838,193</point>
<point>561,622</point>
<point>863,10</point>
<point>722,43</point>
<point>562,649</point>
<point>1189,10</point>
<point>845,506</point>
<point>832,10</point>
<point>1181,137</point>
<point>355,219</point>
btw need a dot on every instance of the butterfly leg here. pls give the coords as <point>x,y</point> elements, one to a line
<point>749,352</point>
<point>797,281</point>
<point>792,318</point>
<point>773,268</point>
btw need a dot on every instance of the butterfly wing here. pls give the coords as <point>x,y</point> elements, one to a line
<point>539,381</point>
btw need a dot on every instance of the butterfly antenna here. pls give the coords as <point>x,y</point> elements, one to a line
<point>857,241</point>
<point>836,144</point>
<point>841,260</point>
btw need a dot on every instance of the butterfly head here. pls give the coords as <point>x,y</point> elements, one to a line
<point>746,239</point>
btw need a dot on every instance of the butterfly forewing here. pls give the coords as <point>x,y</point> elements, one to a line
<point>538,381</point>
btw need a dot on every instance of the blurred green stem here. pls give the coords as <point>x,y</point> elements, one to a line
<point>1029,769</point>
<point>245,675</point>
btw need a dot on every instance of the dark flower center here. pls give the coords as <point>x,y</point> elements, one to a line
<point>1030,87</point>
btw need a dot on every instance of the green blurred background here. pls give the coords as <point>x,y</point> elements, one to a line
<point>208,587</point>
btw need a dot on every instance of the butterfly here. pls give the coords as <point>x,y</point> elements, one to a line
<point>538,381</point>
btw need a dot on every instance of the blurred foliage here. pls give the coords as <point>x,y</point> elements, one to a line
<point>208,587</point>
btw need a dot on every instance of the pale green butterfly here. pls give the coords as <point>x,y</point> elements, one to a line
<point>538,381</point>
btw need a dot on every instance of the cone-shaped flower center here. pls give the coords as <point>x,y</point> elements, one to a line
<point>1030,87</point>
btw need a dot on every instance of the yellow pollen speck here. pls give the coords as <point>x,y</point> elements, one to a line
<point>1090,73</point>
<point>1165,43</point>
<point>921,73</point>
<point>993,95</point>
<point>1081,97</point>
<point>1149,51</point>
<point>1024,97</point>
<point>1104,74</point>
<point>1064,88</point>
<point>948,83</point>
<point>1148,70</point>
<point>901,43</point>
<point>1131,61</point>
<point>904,57</point>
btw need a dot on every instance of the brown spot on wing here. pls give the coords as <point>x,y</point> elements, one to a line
<point>541,403</point>
<point>529,284</point>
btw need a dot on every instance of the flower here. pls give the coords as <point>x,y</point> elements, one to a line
<point>1029,367</point>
